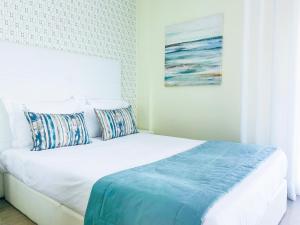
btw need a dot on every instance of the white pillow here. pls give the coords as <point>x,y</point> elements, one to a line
<point>20,130</point>
<point>92,123</point>
<point>55,107</point>
<point>108,103</point>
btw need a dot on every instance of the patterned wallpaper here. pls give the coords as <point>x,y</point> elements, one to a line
<point>104,28</point>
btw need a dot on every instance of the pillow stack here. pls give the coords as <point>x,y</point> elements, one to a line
<point>19,126</point>
<point>56,124</point>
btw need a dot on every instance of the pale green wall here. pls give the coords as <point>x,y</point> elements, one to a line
<point>202,112</point>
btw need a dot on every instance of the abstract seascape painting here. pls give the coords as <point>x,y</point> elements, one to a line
<point>193,52</point>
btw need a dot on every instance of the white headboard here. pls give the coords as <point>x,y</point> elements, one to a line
<point>44,74</point>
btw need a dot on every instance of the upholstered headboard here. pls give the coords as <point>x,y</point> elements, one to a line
<point>42,74</point>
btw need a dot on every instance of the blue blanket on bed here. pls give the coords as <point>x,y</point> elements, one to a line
<point>177,190</point>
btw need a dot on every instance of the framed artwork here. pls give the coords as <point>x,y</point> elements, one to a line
<point>193,52</point>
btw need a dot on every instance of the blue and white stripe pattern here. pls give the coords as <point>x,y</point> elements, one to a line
<point>51,131</point>
<point>116,123</point>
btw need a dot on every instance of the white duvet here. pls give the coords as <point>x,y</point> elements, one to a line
<point>68,174</point>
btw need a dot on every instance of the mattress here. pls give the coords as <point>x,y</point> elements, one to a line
<point>68,174</point>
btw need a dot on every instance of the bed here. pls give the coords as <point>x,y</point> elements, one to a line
<point>53,187</point>
<point>77,168</point>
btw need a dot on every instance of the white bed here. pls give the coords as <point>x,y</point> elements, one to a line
<point>67,175</point>
<point>53,187</point>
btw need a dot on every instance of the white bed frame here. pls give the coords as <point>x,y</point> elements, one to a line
<point>26,71</point>
<point>42,74</point>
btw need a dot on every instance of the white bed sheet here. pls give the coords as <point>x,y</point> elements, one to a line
<point>67,175</point>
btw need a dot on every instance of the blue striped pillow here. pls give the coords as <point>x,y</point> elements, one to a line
<point>51,131</point>
<point>116,123</point>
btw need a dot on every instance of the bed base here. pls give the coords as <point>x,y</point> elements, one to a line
<point>36,206</point>
<point>45,211</point>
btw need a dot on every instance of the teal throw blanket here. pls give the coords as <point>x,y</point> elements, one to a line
<point>178,190</point>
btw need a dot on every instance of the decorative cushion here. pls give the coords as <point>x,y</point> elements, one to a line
<point>51,131</point>
<point>116,123</point>
<point>89,112</point>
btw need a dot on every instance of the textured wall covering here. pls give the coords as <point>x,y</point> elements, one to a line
<point>104,28</point>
